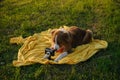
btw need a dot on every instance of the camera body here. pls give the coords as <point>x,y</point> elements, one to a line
<point>49,52</point>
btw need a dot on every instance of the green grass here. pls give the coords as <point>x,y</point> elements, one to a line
<point>26,17</point>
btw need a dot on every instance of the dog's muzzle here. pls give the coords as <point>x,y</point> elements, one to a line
<point>56,46</point>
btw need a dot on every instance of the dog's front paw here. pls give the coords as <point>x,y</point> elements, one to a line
<point>61,56</point>
<point>56,61</point>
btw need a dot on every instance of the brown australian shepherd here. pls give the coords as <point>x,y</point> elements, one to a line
<point>68,39</point>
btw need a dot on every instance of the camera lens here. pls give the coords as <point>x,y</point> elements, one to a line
<point>48,53</point>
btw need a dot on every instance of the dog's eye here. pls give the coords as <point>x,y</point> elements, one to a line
<point>58,42</point>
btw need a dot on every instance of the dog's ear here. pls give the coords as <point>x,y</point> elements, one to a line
<point>66,37</point>
<point>53,31</point>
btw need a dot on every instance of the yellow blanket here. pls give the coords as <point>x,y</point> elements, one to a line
<point>32,50</point>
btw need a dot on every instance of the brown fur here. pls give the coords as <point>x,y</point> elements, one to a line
<point>73,38</point>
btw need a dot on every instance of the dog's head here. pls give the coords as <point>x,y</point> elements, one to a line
<point>60,37</point>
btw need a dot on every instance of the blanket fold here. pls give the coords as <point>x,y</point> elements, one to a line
<point>32,50</point>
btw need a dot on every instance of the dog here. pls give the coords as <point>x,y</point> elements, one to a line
<point>68,39</point>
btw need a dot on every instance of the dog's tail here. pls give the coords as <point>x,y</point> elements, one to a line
<point>90,31</point>
<point>88,37</point>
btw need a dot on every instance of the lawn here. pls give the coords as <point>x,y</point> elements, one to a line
<point>26,17</point>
